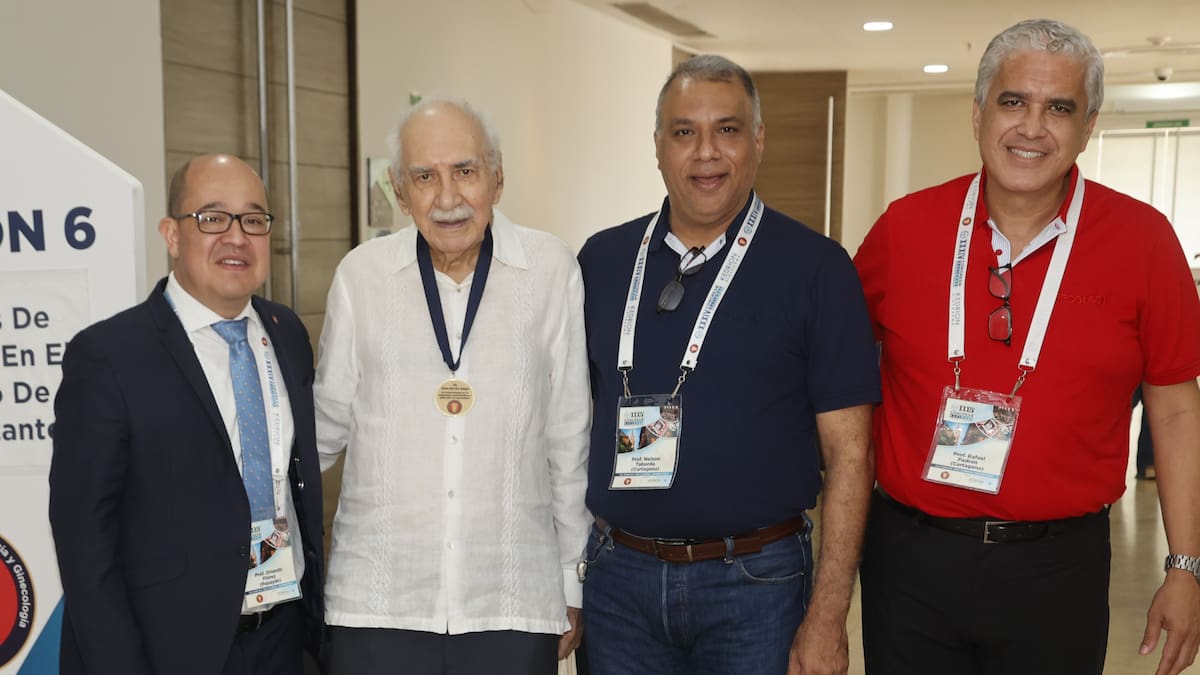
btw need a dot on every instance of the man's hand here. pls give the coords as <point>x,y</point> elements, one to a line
<point>570,639</point>
<point>821,647</point>
<point>1175,609</point>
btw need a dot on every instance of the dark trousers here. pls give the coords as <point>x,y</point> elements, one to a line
<point>388,651</point>
<point>277,648</point>
<point>941,603</point>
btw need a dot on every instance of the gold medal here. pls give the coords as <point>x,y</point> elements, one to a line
<point>454,397</point>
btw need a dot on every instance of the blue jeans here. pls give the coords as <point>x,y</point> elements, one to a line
<point>732,616</point>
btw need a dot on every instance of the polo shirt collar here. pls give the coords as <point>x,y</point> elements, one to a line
<point>1049,233</point>
<point>663,226</point>
<point>1072,178</point>
<point>506,245</point>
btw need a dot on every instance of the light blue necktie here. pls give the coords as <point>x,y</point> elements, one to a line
<point>251,420</point>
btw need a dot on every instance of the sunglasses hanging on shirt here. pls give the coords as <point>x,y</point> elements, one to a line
<point>672,294</point>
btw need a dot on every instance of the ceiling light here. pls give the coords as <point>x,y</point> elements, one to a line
<point>936,68</point>
<point>877,25</point>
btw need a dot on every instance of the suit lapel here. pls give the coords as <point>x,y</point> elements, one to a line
<point>177,344</point>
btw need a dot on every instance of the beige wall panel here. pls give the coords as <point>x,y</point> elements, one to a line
<point>215,34</point>
<point>334,9</point>
<point>322,127</point>
<point>943,139</point>
<point>209,111</point>
<point>795,112</point>
<point>862,199</point>
<point>324,200</point>
<point>220,35</point>
<point>321,52</point>
<point>318,261</point>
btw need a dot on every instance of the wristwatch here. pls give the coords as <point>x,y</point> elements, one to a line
<point>1189,563</point>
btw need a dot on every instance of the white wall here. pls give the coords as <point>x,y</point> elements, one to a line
<point>570,91</point>
<point>939,143</point>
<point>95,70</point>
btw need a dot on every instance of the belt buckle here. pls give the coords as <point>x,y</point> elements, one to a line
<point>987,530</point>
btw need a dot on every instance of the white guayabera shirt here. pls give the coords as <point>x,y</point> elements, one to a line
<point>468,523</point>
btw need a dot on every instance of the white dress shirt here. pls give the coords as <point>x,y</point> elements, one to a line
<point>213,353</point>
<point>456,524</point>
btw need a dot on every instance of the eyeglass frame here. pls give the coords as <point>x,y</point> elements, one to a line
<point>685,269</point>
<point>998,273</point>
<point>232,217</point>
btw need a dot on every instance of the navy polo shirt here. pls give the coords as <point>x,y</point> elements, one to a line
<point>791,339</point>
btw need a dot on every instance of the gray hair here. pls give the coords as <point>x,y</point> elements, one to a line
<point>710,68</point>
<point>491,153</point>
<point>1048,36</point>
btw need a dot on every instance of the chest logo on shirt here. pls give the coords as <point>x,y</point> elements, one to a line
<point>1081,299</point>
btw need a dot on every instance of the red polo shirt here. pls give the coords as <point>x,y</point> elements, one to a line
<point>1127,311</point>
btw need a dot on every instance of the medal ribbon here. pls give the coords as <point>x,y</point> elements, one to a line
<point>434,301</point>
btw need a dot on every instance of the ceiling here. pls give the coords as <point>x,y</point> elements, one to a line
<point>804,35</point>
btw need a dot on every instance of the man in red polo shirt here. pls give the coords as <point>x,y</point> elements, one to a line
<point>1017,310</point>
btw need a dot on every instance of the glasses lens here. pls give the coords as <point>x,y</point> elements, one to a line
<point>256,223</point>
<point>1000,324</point>
<point>671,296</point>
<point>213,222</point>
<point>999,282</point>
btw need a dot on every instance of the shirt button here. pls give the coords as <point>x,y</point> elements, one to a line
<point>450,545</point>
<point>450,494</point>
<point>458,335</point>
<point>454,439</point>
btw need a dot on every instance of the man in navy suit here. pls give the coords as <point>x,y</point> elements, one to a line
<point>185,440</point>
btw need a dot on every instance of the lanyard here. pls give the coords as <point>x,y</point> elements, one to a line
<point>434,301</point>
<point>275,434</point>
<point>716,293</point>
<point>956,344</point>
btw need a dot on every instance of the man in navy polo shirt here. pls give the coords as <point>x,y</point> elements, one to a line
<point>724,339</point>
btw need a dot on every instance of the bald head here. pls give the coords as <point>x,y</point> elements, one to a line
<point>175,196</point>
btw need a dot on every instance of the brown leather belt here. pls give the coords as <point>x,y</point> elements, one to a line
<point>684,551</point>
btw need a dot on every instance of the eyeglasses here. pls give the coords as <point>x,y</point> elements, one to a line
<point>672,293</point>
<point>1000,320</point>
<point>254,223</point>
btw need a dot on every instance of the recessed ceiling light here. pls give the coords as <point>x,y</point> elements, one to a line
<point>877,25</point>
<point>936,68</point>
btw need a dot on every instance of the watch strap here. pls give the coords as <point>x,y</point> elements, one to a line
<point>1188,563</point>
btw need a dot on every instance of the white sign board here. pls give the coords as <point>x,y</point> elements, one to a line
<point>71,242</point>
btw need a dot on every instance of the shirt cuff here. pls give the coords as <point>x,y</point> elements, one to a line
<point>572,588</point>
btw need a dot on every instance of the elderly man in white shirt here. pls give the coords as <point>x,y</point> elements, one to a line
<point>464,414</point>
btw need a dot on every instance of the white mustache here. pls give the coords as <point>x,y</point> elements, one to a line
<point>454,215</point>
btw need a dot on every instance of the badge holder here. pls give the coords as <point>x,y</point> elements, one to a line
<point>973,438</point>
<point>647,448</point>
<point>272,575</point>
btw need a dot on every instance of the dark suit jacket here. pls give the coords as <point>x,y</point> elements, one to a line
<point>148,510</point>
